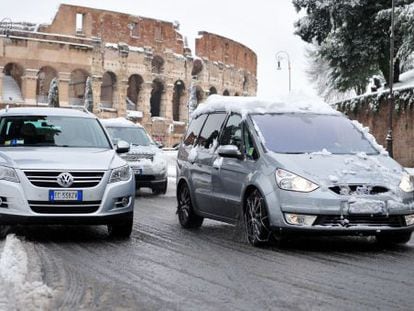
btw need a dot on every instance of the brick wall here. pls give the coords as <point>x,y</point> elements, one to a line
<point>372,111</point>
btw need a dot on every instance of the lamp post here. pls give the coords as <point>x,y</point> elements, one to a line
<point>389,138</point>
<point>279,57</point>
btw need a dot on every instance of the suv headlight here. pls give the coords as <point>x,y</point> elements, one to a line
<point>292,182</point>
<point>406,184</point>
<point>8,173</point>
<point>122,173</point>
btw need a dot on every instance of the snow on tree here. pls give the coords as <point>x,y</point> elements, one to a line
<point>88,98</point>
<point>53,95</point>
<point>353,37</point>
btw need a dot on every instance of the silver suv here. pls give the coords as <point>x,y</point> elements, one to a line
<point>145,157</point>
<point>290,167</point>
<point>58,166</point>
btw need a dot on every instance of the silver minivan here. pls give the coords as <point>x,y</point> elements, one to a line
<point>58,166</point>
<point>290,167</point>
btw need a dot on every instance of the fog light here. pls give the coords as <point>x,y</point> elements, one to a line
<point>300,220</point>
<point>409,220</point>
<point>125,201</point>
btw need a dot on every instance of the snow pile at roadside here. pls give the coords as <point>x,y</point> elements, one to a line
<point>20,288</point>
<point>293,103</point>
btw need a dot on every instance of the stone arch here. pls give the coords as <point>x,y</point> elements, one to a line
<point>212,90</point>
<point>108,89</point>
<point>178,99</point>
<point>135,82</point>
<point>156,96</point>
<point>197,67</point>
<point>12,82</point>
<point>236,94</point>
<point>77,86</point>
<point>226,93</point>
<point>157,64</point>
<point>45,75</point>
<point>199,94</point>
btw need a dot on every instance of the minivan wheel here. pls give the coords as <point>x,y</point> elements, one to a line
<point>395,238</point>
<point>186,216</point>
<point>122,229</point>
<point>256,219</point>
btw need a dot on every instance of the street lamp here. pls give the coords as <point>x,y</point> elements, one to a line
<point>279,57</point>
<point>391,82</point>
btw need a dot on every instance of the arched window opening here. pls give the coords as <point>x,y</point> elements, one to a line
<point>108,87</point>
<point>212,91</point>
<point>197,67</point>
<point>77,86</point>
<point>44,77</point>
<point>12,83</point>
<point>226,93</point>
<point>157,64</point>
<point>156,95</point>
<point>134,87</point>
<point>179,88</point>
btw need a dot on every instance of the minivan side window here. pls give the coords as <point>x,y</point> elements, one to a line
<point>232,133</point>
<point>194,129</point>
<point>211,130</point>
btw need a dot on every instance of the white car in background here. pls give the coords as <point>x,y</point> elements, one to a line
<point>146,159</point>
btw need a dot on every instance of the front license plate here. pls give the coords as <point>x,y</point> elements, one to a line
<point>367,207</point>
<point>65,195</point>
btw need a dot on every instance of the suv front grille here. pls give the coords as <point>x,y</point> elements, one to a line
<point>64,207</point>
<point>48,179</point>
<point>361,220</point>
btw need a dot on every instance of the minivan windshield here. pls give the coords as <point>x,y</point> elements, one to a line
<point>136,136</point>
<point>57,131</point>
<point>307,133</point>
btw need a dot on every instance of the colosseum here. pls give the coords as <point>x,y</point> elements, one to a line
<point>127,65</point>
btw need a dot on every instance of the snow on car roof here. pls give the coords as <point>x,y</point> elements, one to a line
<point>295,103</point>
<point>50,111</point>
<point>119,122</point>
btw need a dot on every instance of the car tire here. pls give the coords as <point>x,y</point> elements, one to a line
<point>4,231</point>
<point>395,238</point>
<point>256,219</point>
<point>186,216</point>
<point>161,189</point>
<point>122,229</point>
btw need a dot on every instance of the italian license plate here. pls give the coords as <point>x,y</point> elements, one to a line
<point>367,207</point>
<point>65,195</point>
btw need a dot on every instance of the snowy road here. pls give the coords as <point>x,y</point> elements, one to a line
<point>165,267</point>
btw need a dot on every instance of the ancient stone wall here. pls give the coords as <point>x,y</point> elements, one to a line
<point>144,73</point>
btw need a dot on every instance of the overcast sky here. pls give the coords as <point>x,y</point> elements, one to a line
<point>266,26</point>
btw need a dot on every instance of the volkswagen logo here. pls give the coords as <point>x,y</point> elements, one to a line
<point>65,180</point>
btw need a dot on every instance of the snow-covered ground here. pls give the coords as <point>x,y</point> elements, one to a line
<point>21,286</point>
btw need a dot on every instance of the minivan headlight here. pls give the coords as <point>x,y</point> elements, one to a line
<point>122,173</point>
<point>8,173</point>
<point>292,182</point>
<point>406,184</point>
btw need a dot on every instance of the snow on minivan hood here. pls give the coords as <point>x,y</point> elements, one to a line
<point>59,158</point>
<point>331,169</point>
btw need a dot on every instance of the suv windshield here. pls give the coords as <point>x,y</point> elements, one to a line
<point>136,136</point>
<point>59,131</point>
<point>307,133</point>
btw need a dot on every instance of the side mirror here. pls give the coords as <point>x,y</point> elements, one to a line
<point>122,146</point>
<point>229,151</point>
